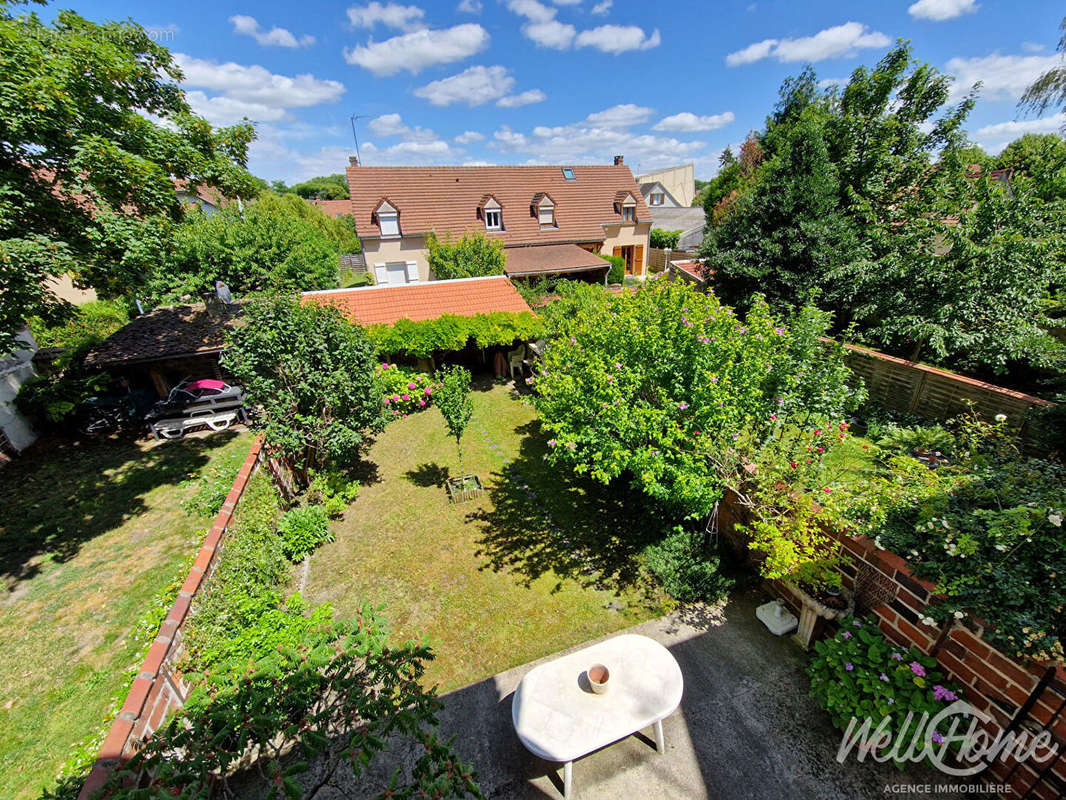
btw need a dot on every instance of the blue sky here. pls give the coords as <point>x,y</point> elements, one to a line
<point>562,81</point>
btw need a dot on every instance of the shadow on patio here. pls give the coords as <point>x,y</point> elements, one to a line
<point>746,729</point>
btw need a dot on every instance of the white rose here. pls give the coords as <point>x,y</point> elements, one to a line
<point>1001,417</point>
<point>1055,519</point>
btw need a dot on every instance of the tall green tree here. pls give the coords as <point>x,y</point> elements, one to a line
<point>452,397</point>
<point>1040,157</point>
<point>309,375</point>
<point>471,256</point>
<point>1049,90</point>
<point>277,243</point>
<point>85,168</point>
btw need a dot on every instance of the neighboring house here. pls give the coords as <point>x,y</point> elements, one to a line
<point>206,197</point>
<point>386,305</point>
<point>62,286</point>
<point>690,221</point>
<point>166,346</point>
<point>690,271</point>
<point>334,208</point>
<point>677,185</point>
<point>549,218</point>
<point>16,434</point>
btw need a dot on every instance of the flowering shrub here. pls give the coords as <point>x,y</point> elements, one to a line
<point>858,673</point>
<point>988,530</point>
<point>674,391</point>
<point>404,391</point>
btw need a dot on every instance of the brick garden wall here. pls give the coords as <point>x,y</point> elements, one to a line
<point>885,587</point>
<point>159,686</point>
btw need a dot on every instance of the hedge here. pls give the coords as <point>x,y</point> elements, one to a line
<point>452,332</point>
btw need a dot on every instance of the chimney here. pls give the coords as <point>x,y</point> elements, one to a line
<point>619,160</point>
<point>353,161</point>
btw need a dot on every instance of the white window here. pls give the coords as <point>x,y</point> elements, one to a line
<point>656,199</point>
<point>546,214</point>
<point>629,213</point>
<point>493,221</point>
<point>389,222</point>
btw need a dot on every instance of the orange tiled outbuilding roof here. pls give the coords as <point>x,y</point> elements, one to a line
<point>334,208</point>
<point>551,258</point>
<point>464,297</point>
<point>445,200</point>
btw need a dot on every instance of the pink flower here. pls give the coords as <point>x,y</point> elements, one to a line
<point>396,398</point>
<point>846,635</point>
<point>773,417</point>
<point>429,390</point>
<point>827,490</point>
<point>412,385</point>
<point>407,397</point>
<point>792,464</point>
<point>817,431</point>
<point>386,401</point>
<point>422,403</point>
<point>821,449</point>
<point>917,669</point>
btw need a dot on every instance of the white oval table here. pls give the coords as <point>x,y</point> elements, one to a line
<point>558,717</point>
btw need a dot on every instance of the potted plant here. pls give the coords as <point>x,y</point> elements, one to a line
<point>452,397</point>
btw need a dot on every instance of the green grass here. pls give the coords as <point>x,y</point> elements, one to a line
<point>91,536</point>
<point>489,582</point>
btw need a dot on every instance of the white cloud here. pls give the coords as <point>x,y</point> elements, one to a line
<point>620,116</point>
<point>419,49</point>
<point>221,110</point>
<point>940,10</point>
<point>469,7</point>
<point>567,2</point>
<point>840,40</point>
<point>391,15</point>
<point>1012,130</point>
<point>522,99</point>
<point>1003,77</point>
<point>277,37</point>
<point>257,85</point>
<point>830,83</point>
<point>687,122</point>
<point>1032,47</point>
<point>473,86</point>
<point>617,39</point>
<point>602,8</point>
<point>391,125</point>
<point>508,138</point>
<point>554,34</point>
<point>532,10</point>
<point>466,137</point>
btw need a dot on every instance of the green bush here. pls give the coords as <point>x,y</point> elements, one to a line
<point>617,273</point>
<point>357,279</point>
<point>904,441</point>
<point>333,490</point>
<point>661,239</point>
<point>687,574</point>
<point>302,529</point>
<point>859,674</point>
<point>470,257</point>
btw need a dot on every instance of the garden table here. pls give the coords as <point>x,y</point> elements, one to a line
<point>558,717</point>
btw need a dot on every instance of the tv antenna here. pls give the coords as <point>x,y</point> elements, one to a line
<point>355,136</point>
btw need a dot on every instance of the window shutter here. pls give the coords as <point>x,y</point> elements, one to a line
<point>638,260</point>
<point>381,274</point>
<point>617,253</point>
<point>412,271</point>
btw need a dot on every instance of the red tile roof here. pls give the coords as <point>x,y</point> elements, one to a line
<point>465,297</point>
<point>550,258</point>
<point>445,200</point>
<point>334,208</point>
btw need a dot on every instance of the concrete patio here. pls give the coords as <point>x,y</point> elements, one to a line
<point>746,729</point>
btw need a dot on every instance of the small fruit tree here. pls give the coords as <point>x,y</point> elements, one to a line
<point>453,400</point>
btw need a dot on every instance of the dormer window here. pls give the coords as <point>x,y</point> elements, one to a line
<point>626,205</point>
<point>388,219</point>
<point>543,208</point>
<point>656,199</point>
<point>493,214</point>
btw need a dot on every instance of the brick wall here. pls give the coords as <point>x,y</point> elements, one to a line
<point>902,385</point>
<point>159,686</point>
<point>885,587</point>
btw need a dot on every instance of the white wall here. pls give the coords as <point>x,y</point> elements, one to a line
<point>409,248</point>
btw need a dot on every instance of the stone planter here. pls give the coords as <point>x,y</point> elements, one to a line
<point>811,610</point>
<point>465,488</point>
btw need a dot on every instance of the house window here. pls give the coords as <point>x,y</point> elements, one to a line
<point>629,213</point>
<point>568,174</point>
<point>656,199</point>
<point>547,216</point>
<point>389,222</point>
<point>493,221</point>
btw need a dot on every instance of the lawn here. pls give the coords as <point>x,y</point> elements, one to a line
<point>540,562</point>
<point>91,537</point>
